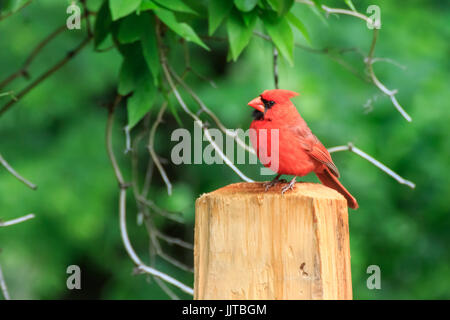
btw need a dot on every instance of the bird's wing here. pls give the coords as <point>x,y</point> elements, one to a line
<point>315,148</point>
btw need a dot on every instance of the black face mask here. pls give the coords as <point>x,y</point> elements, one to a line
<point>257,115</point>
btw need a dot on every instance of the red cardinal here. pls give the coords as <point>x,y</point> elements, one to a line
<point>300,152</point>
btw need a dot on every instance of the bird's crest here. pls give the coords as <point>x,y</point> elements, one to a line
<point>278,95</point>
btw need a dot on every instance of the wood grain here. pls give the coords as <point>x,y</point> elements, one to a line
<point>252,244</point>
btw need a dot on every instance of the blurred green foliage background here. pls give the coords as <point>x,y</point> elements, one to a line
<point>55,137</point>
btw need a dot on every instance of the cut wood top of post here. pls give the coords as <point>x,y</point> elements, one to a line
<point>304,189</point>
<point>253,244</point>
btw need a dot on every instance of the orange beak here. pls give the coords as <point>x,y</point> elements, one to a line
<point>257,104</point>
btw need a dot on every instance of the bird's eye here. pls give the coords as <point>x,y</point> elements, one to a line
<point>267,103</point>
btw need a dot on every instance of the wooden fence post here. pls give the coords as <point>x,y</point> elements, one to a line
<point>251,244</point>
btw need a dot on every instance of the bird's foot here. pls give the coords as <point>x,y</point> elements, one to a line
<point>290,186</point>
<point>274,182</point>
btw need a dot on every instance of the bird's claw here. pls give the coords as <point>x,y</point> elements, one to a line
<point>290,186</point>
<point>270,184</point>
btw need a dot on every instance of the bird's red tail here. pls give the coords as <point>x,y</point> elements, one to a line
<point>328,179</point>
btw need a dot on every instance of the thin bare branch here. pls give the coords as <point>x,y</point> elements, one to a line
<point>108,141</point>
<point>208,111</point>
<point>143,210</point>
<point>174,261</point>
<point>15,174</point>
<point>3,286</point>
<point>173,240</point>
<point>23,71</point>
<point>166,289</point>
<point>193,115</point>
<point>349,68</point>
<point>126,129</point>
<point>141,266</point>
<point>15,11</point>
<point>356,14</point>
<point>154,240</point>
<point>148,178</point>
<point>135,166</point>
<point>90,33</point>
<point>151,149</point>
<point>350,147</point>
<point>167,214</point>
<point>391,61</point>
<point>370,57</point>
<point>369,60</point>
<point>275,66</point>
<point>155,248</point>
<point>135,258</point>
<point>16,221</point>
<point>202,77</point>
<point>183,105</point>
<point>134,162</point>
<point>8,93</point>
<point>45,75</point>
<point>390,93</point>
<point>326,51</point>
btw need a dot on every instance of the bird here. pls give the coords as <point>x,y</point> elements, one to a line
<point>300,151</point>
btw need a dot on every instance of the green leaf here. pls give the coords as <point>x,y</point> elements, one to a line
<point>245,5</point>
<point>248,17</point>
<point>229,56</point>
<point>150,48</point>
<point>175,5</point>
<point>239,34</point>
<point>217,11</point>
<point>131,70</point>
<point>130,28</point>
<point>122,8</point>
<point>298,24</point>
<point>141,101</point>
<point>182,29</point>
<point>126,78</point>
<point>349,3</point>
<point>102,24</point>
<point>280,32</point>
<point>281,6</point>
<point>147,5</point>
